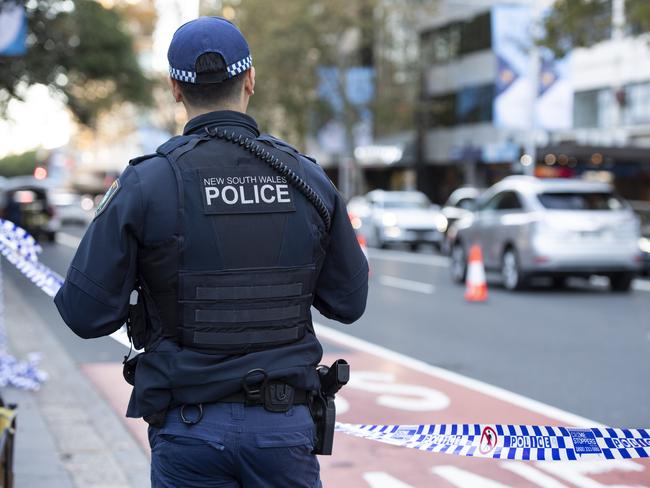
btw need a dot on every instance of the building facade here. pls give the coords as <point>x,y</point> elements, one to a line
<point>490,99</point>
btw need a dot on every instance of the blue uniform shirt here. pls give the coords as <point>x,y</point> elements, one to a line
<point>140,214</point>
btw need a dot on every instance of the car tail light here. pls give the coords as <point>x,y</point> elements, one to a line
<point>355,221</point>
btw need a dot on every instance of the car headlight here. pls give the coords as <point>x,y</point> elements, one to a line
<point>441,223</point>
<point>389,220</point>
<point>644,244</point>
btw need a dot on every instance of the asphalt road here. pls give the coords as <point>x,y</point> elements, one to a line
<point>582,349</point>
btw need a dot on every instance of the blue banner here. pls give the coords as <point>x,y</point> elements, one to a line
<point>13,29</point>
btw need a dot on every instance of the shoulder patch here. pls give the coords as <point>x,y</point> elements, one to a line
<point>108,196</point>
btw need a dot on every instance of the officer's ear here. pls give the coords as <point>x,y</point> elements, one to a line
<point>249,81</point>
<point>176,90</point>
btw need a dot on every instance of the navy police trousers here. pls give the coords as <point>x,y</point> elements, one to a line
<point>235,446</point>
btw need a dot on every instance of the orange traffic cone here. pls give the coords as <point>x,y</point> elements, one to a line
<point>475,284</point>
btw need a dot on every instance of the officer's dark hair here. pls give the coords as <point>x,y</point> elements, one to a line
<point>201,94</point>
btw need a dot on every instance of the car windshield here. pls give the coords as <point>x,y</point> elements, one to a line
<point>466,203</point>
<point>581,201</point>
<point>407,203</point>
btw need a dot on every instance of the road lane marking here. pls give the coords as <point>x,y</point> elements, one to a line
<point>407,257</point>
<point>379,479</point>
<point>68,240</point>
<point>535,406</point>
<point>533,475</point>
<point>461,478</point>
<point>409,285</point>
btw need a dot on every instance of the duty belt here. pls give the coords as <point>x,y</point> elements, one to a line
<point>276,396</point>
<point>300,397</point>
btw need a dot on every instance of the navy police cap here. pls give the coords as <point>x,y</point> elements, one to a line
<point>207,35</point>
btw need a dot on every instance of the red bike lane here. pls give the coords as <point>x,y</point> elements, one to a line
<point>389,388</point>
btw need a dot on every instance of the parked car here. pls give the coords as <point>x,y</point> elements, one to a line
<point>25,202</point>
<point>72,208</point>
<point>528,227</point>
<point>460,203</point>
<point>392,217</point>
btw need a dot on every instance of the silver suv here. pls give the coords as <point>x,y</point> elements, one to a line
<point>529,227</point>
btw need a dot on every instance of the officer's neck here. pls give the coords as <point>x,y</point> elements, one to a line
<point>238,106</point>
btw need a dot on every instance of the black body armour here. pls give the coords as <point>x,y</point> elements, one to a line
<point>219,286</point>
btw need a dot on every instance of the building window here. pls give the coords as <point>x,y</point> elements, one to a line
<point>452,41</point>
<point>637,104</point>
<point>468,106</point>
<point>442,111</point>
<point>474,104</point>
<point>594,109</point>
<point>476,34</point>
<point>441,45</point>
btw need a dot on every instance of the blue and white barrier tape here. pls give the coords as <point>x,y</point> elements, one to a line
<point>518,442</point>
<point>21,250</point>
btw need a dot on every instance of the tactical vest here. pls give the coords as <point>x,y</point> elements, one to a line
<point>201,300</point>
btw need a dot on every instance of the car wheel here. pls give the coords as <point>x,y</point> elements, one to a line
<point>458,263</point>
<point>414,246</point>
<point>621,282</point>
<point>511,274</point>
<point>560,282</point>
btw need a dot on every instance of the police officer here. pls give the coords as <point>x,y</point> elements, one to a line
<point>228,237</point>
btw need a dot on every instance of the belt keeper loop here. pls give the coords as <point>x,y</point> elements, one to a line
<point>191,421</point>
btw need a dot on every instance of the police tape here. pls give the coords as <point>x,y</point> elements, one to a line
<point>21,250</point>
<point>516,442</point>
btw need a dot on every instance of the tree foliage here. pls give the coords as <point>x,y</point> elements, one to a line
<point>583,23</point>
<point>18,164</point>
<point>81,50</point>
<point>297,39</point>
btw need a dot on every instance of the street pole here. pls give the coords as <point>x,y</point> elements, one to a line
<point>534,66</point>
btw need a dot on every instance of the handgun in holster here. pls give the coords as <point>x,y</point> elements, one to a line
<point>137,330</point>
<point>322,405</point>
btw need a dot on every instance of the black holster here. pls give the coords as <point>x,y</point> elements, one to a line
<point>136,322</point>
<point>138,332</point>
<point>322,406</point>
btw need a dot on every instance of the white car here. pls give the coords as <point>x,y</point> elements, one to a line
<point>72,208</point>
<point>392,217</point>
<point>529,227</point>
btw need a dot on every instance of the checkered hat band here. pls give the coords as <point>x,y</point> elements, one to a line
<point>182,75</point>
<point>240,66</point>
<point>233,70</point>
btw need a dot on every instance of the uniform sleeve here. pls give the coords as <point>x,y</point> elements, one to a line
<point>342,287</point>
<point>94,298</point>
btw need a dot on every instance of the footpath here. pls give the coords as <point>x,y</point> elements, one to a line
<point>67,435</point>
